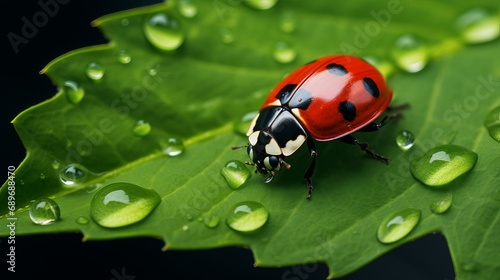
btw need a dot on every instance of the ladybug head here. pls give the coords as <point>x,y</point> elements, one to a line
<point>265,154</point>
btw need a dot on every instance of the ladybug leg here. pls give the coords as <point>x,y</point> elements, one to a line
<point>310,170</point>
<point>349,139</point>
<point>376,126</point>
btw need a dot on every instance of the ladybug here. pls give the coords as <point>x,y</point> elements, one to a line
<point>324,100</point>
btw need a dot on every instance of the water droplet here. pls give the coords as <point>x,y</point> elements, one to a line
<point>405,140</point>
<point>173,146</point>
<point>492,123</point>
<point>82,220</point>
<point>241,125</point>
<point>287,22</point>
<point>226,36</point>
<point>142,128</point>
<point>469,266</point>
<point>247,216</point>
<point>185,227</point>
<point>236,173</point>
<point>442,164</point>
<point>42,176</point>
<point>261,4</point>
<point>164,32</point>
<point>212,221</point>
<point>125,22</point>
<point>44,211</point>
<point>385,67</point>
<point>442,205</point>
<point>94,71</point>
<point>73,92</point>
<point>73,174</point>
<point>55,164</point>
<point>410,53</point>
<point>122,204</point>
<point>124,57</point>
<point>187,8</point>
<point>398,225</point>
<point>478,26</point>
<point>152,71</point>
<point>284,53</point>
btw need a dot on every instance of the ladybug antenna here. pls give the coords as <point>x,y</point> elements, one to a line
<point>238,147</point>
<point>286,164</point>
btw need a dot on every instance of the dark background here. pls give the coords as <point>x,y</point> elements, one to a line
<point>65,256</point>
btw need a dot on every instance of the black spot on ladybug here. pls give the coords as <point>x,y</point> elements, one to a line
<point>301,99</point>
<point>336,69</point>
<point>285,93</point>
<point>348,110</point>
<point>371,87</point>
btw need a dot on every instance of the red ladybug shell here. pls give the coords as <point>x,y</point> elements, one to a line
<point>344,94</point>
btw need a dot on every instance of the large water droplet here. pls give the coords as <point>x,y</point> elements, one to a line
<point>187,8</point>
<point>442,205</point>
<point>442,164</point>
<point>247,216</point>
<point>398,225</point>
<point>44,211</point>
<point>284,52</point>
<point>124,57</point>
<point>73,92</point>
<point>212,221</point>
<point>241,125</point>
<point>73,174</point>
<point>410,53</point>
<point>164,32</point>
<point>492,123</point>
<point>94,71</point>
<point>173,146</point>
<point>261,4</point>
<point>236,173</point>
<point>122,204</point>
<point>478,26</point>
<point>142,128</point>
<point>405,140</point>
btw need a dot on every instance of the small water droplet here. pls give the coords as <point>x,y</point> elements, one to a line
<point>44,211</point>
<point>226,36</point>
<point>410,53</point>
<point>469,266</point>
<point>94,71</point>
<point>442,164</point>
<point>212,221</point>
<point>478,26</point>
<point>442,205</point>
<point>124,57</point>
<point>236,173</point>
<point>73,174</point>
<point>55,164</point>
<point>492,123</point>
<point>247,216</point>
<point>173,146</point>
<point>241,125</point>
<point>284,52</point>
<point>398,225</point>
<point>142,128</point>
<point>152,71</point>
<point>187,8</point>
<point>164,32</point>
<point>385,67</point>
<point>185,227</point>
<point>261,4</point>
<point>125,22</point>
<point>42,176</point>
<point>73,92</point>
<point>122,204</point>
<point>405,140</point>
<point>82,220</point>
<point>287,22</point>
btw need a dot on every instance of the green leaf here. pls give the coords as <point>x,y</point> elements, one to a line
<point>223,70</point>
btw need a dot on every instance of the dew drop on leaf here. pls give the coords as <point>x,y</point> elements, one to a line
<point>123,57</point>
<point>410,53</point>
<point>44,211</point>
<point>187,8</point>
<point>82,220</point>
<point>236,173</point>
<point>122,204</point>
<point>73,174</point>
<point>212,221</point>
<point>284,53</point>
<point>405,140</point>
<point>247,216</point>
<point>142,128</point>
<point>226,36</point>
<point>94,71</point>
<point>492,123</point>
<point>261,4</point>
<point>164,32</point>
<point>398,225</point>
<point>73,92</point>
<point>287,22</point>
<point>442,164</point>
<point>55,164</point>
<point>478,25</point>
<point>173,146</point>
<point>442,205</point>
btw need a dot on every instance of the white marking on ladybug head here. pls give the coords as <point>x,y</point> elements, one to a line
<point>273,148</point>
<point>252,125</point>
<point>293,145</point>
<point>253,138</point>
